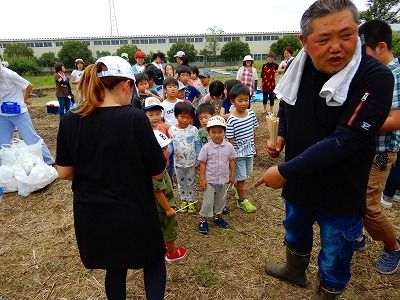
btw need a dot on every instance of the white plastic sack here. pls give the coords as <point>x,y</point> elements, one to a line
<point>7,180</point>
<point>32,174</point>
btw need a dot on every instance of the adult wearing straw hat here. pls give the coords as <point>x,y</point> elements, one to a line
<point>335,98</point>
<point>247,74</point>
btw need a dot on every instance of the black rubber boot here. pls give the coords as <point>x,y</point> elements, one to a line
<point>322,293</point>
<point>293,271</point>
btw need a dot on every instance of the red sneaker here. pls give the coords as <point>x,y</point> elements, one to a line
<point>177,255</point>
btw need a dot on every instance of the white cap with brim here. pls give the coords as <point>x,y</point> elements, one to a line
<point>216,121</point>
<point>248,57</point>
<point>162,139</point>
<point>116,66</point>
<point>179,54</point>
<point>152,102</point>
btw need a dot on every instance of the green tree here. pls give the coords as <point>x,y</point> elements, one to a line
<point>130,49</point>
<point>206,54</point>
<point>385,10</point>
<point>189,50</point>
<point>23,64</point>
<point>396,44</point>
<point>17,49</point>
<point>72,50</point>
<point>102,53</point>
<point>286,41</point>
<point>234,51</point>
<point>213,36</point>
<point>47,59</point>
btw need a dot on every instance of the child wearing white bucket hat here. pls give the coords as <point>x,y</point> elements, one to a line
<point>217,169</point>
<point>166,207</point>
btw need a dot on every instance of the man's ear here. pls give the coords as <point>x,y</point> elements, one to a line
<point>381,47</point>
<point>303,41</point>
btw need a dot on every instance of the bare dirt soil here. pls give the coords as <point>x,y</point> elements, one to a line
<point>39,258</point>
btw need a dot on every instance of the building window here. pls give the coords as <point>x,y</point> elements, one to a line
<point>249,38</point>
<point>106,42</point>
<point>123,42</point>
<point>136,41</point>
<point>59,43</point>
<point>181,39</point>
<point>190,40</point>
<point>198,40</point>
<point>114,42</point>
<point>39,44</point>
<point>173,41</point>
<point>274,38</point>
<point>227,39</point>
<point>30,45</point>
<point>144,41</point>
<point>47,44</point>
<point>161,41</point>
<point>87,43</point>
<point>152,41</point>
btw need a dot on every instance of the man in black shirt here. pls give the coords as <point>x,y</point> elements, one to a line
<point>328,127</point>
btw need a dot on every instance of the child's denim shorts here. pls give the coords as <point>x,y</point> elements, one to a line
<point>244,167</point>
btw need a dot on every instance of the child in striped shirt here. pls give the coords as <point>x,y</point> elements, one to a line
<point>240,133</point>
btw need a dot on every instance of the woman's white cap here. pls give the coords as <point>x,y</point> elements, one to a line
<point>179,54</point>
<point>162,139</point>
<point>248,57</point>
<point>116,66</point>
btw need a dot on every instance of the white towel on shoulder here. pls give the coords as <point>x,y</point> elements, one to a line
<point>334,90</point>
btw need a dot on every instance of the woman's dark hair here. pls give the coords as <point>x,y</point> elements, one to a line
<point>206,108</point>
<point>185,61</point>
<point>194,70</point>
<point>160,55</point>
<point>183,69</point>
<point>170,80</point>
<point>237,91</point>
<point>91,89</point>
<point>58,67</point>
<point>140,77</point>
<point>229,84</point>
<point>216,88</point>
<point>288,49</point>
<point>183,107</point>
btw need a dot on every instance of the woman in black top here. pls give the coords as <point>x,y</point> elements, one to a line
<point>110,153</point>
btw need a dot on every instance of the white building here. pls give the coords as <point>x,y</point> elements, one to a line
<point>259,42</point>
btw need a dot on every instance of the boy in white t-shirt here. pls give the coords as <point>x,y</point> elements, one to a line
<point>171,89</point>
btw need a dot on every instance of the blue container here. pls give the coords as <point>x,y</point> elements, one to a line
<point>10,108</point>
<point>1,194</point>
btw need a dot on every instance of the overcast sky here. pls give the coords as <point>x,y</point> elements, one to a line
<point>87,18</point>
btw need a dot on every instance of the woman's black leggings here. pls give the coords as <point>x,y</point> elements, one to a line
<point>154,282</point>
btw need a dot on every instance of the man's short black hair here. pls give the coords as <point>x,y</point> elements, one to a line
<point>376,31</point>
<point>183,107</point>
<point>216,88</point>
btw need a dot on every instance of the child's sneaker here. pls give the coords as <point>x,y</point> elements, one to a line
<point>221,222</point>
<point>192,208</point>
<point>388,262</point>
<point>386,201</point>
<point>177,255</point>
<point>246,206</point>
<point>183,207</point>
<point>361,245</point>
<point>203,227</point>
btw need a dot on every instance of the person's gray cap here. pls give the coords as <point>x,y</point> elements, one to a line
<point>204,73</point>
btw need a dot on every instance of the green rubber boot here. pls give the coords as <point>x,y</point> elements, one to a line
<point>293,271</point>
<point>322,293</point>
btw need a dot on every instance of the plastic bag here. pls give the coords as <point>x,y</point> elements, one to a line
<point>23,169</point>
<point>32,174</point>
<point>7,180</point>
